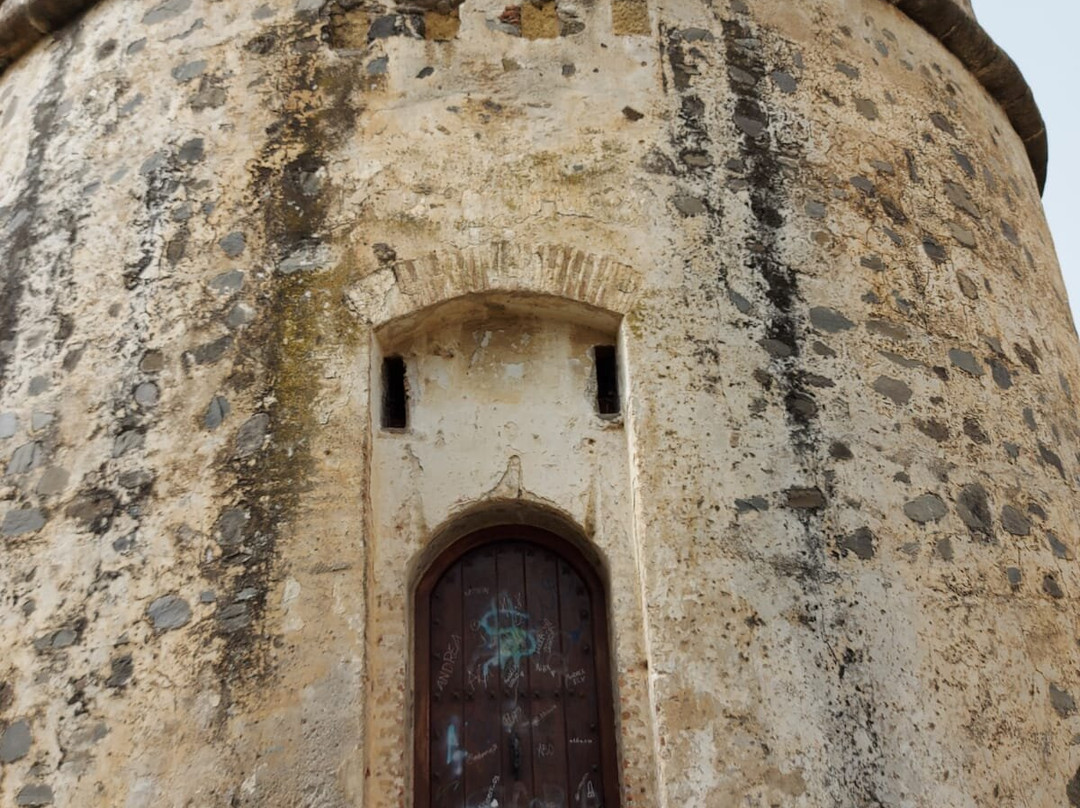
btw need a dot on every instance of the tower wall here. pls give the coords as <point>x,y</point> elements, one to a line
<point>837,515</point>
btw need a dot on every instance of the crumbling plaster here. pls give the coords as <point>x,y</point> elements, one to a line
<point>838,516</point>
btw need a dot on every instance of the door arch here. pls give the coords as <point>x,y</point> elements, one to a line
<point>513,679</point>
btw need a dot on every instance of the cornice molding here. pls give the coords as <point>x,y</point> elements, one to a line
<point>962,35</point>
<point>24,22</point>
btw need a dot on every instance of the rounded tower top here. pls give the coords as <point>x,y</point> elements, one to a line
<point>24,22</point>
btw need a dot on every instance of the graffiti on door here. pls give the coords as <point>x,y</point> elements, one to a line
<point>514,703</point>
<point>507,640</point>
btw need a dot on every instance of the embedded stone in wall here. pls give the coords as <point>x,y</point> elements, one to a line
<point>121,669</point>
<point>539,19</point>
<point>168,613</point>
<point>441,26</point>
<point>859,543</point>
<point>15,741</point>
<point>630,18</point>
<point>925,508</point>
<point>164,11</point>
<point>34,796</point>
<point>894,389</point>
<point>20,521</point>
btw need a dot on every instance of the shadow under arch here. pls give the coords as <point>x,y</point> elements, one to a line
<point>563,730</point>
<point>508,511</point>
<point>494,304</point>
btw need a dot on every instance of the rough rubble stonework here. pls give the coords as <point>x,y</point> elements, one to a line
<point>836,518</point>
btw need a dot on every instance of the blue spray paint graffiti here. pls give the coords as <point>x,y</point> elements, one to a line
<point>507,640</point>
<point>455,755</point>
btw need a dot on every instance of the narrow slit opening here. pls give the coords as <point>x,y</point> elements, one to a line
<point>607,380</point>
<point>395,398</point>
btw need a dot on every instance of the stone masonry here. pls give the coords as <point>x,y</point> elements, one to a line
<point>837,515</point>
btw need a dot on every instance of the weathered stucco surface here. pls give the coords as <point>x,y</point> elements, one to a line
<point>836,517</point>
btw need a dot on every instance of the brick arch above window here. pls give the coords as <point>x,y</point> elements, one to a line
<point>401,288</point>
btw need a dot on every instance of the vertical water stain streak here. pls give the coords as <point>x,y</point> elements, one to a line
<point>700,191</point>
<point>851,712</point>
<point>26,223</point>
<point>303,311</point>
<point>747,74</point>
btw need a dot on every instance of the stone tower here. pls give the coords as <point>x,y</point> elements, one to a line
<point>742,316</point>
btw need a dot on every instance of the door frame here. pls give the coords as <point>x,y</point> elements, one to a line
<point>567,551</point>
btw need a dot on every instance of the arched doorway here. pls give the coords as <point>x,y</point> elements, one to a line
<point>513,682</point>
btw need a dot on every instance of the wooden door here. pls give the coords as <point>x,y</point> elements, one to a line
<point>513,683</point>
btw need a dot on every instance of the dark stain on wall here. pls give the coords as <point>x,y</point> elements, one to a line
<point>279,354</point>
<point>30,223</point>
<point>759,150</point>
<point>763,145</point>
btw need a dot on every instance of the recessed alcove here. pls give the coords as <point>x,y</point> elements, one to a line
<point>507,422</point>
<point>532,365</point>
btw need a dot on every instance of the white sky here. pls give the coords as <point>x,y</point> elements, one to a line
<point>1040,36</point>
